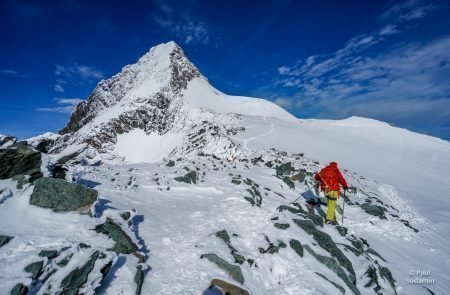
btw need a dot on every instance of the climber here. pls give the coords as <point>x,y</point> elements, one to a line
<point>329,179</point>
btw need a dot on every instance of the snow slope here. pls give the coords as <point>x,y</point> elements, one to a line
<point>160,119</point>
<point>417,165</point>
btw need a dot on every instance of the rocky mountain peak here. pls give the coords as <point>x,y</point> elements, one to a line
<point>164,69</point>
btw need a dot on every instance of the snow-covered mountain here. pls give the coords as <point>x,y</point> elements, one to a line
<point>203,185</point>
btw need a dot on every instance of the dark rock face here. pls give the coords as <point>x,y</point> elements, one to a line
<point>45,145</point>
<point>4,240</point>
<point>233,270</point>
<point>19,159</point>
<point>78,277</point>
<point>228,288</point>
<point>124,244</point>
<point>59,171</point>
<point>19,289</point>
<point>60,195</point>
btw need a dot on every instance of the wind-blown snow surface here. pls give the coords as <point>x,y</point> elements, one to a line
<point>225,138</point>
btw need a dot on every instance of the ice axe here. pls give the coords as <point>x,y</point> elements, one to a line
<point>343,207</point>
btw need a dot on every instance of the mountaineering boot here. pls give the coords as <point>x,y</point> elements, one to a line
<point>331,222</point>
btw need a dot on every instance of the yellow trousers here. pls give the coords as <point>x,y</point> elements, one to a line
<point>331,205</point>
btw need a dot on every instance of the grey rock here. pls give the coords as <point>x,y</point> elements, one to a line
<point>223,234</point>
<point>281,225</point>
<point>297,247</point>
<point>190,177</point>
<point>139,279</point>
<point>19,289</point>
<point>19,159</point>
<point>4,240</point>
<point>342,230</point>
<point>49,254</point>
<point>334,266</point>
<point>374,210</point>
<point>124,244</point>
<point>78,277</point>
<point>60,195</point>
<point>284,169</point>
<point>326,242</point>
<point>233,270</point>
<point>35,269</point>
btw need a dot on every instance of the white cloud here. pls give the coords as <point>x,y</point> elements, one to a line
<point>409,10</point>
<point>186,28</point>
<point>404,84</point>
<point>64,105</point>
<point>75,74</point>
<point>58,88</point>
<point>388,30</point>
<point>283,70</point>
<point>12,73</point>
<point>285,103</point>
<point>78,71</point>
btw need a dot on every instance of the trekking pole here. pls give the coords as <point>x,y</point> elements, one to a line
<point>343,207</point>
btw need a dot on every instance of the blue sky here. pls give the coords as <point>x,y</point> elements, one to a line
<point>387,60</point>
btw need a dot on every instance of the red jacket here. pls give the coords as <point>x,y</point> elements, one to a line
<point>330,177</point>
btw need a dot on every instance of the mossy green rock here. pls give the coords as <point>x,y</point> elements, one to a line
<point>371,273</point>
<point>223,234</point>
<point>281,225</point>
<point>60,195</point>
<point>387,275</point>
<point>300,177</point>
<point>233,270</point>
<point>125,215</point>
<point>374,210</point>
<point>190,177</point>
<point>289,182</point>
<point>19,159</point>
<point>326,242</point>
<point>4,240</point>
<point>49,253</point>
<point>35,269</point>
<point>342,230</point>
<point>284,169</point>
<point>19,289</point>
<point>290,209</point>
<point>332,264</point>
<point>139,279</point>
<point>124,244</point>
<point>78,277</point>
<point>297,247</point>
